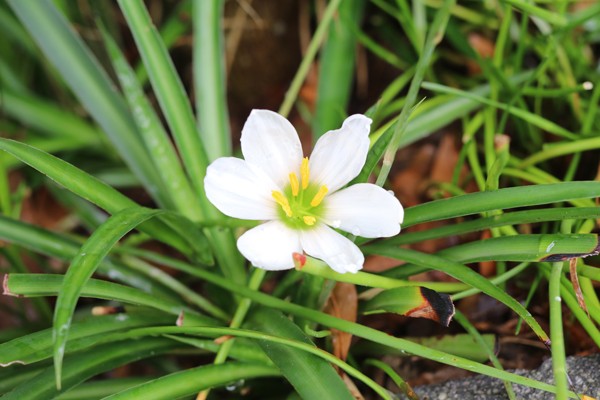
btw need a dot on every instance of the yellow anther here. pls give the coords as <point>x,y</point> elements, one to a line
<point>309,220</point>
<point>294,183</point>
<point>283,202</point>
<point>304,172</point>
<point>319,196</point>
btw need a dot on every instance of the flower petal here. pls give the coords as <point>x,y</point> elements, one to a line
<point>337,251</point>
<point>271,143</point>
<point>365,210</point>
<point>339,155</point>
<point>270,246</point>
<point>239,190</point>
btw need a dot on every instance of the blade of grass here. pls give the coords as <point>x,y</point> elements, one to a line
<point>83,266</point>
<point>512,197</point>
<point>534,247</point>
<point>556,332</point>
<point>37,346</point>
<point>94,390</point>
<point>83,366</point>
<point>188,382</point>
<point>514,218</point>
<point>336,69</point>
<point>209,78</point>
<point>561,149</point>
<point>291,341</point>
<point>317,267</point>
<point>424,121</point>
<point>544,14</point>
<point>312,377</point>
<point>36,285</point>
<point>178,112</point>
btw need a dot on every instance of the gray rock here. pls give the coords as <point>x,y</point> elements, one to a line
<point>583,371</point>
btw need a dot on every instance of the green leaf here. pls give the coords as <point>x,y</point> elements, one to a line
<point>517,217</point>
<point>556,247</point>
<point>209,78</point>
<point>94,390</point>
<point>312,377</point>
<point>83,266</point>
<point>416,302</point>
<point>461,345</point>
<point>36,285</point>
<point>84,365</point>
<point>80,69</point>
<point>37,346</point>
<point>336,69</point>
<point>549,248</point>
<point>474,203</point>
<point>194,380</point>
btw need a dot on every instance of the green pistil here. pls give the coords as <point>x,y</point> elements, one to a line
<point>301,209</point>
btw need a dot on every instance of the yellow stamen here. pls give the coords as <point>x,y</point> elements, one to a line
<point>319,196</point>
<point>304,172</point>
<point>309,220</point>
<point>283,202</point>
<point>294,183</point>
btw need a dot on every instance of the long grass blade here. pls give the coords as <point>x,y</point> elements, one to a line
<point>81,367</point>
<point>522,196</point>
<point>36,285</point>
<point>312,377</point>
<point>81,269</point>
<point>209,82</point>
<point>37,346</point>
<point>185,383</point>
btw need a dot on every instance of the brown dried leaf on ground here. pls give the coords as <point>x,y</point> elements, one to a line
<point>483,46</point>
<point>342,303</point>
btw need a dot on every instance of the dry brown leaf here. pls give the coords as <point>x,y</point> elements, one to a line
<point>342,303</point>
<point>576,286</point>
<point>352,387</point>
<point>487,268</point>
<point>482,46</point>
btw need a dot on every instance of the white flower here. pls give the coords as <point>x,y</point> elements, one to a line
<point>300,198</point>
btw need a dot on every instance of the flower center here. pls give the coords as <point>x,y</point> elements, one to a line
<point>301,202</point>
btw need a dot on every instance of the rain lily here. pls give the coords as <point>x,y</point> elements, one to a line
<point>302,199</point>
